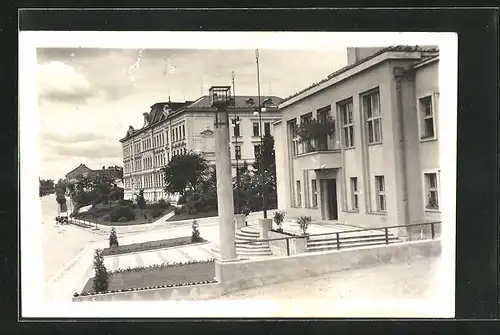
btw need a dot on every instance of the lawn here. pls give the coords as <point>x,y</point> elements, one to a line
<point>170,275</point>
<point>199,215</point>
<point>150,245</point>
<point>103,210</point>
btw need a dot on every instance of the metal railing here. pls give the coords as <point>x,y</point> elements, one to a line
<point>338,235</point>
<point>82,223</point>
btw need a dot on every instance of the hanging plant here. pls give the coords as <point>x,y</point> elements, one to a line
<point>315,129</point>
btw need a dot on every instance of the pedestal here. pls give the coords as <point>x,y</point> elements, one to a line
<point>298,245</point>
<point>225,193</point>
<point>240,221</point>
<point>264,227</point>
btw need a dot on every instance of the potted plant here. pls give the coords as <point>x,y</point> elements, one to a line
<point>303,223</point>
<point>278,219</point>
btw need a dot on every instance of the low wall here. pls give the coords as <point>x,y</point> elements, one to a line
<point>277,247</point>
<point>236,276</point>
<point>188,292</point>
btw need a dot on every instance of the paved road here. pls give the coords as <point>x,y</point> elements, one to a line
<point>408,280</point>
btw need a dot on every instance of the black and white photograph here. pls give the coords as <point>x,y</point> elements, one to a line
<point>238,174</point>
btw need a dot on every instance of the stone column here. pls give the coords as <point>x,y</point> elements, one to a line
<point>224,192</point>
<point>240,221</point>
<point>264,227</point>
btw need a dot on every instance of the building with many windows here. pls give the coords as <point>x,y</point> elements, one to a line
<point>380,164</point>
<point>174,128</point>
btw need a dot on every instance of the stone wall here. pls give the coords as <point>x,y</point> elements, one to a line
<point>236,276</point>
<point>188,292</point>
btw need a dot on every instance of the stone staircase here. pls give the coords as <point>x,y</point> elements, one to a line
<point>245,250</point>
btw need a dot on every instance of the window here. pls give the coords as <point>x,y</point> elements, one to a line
<point>307,146</point>
<point>299,197</point>
<point>380,193</point>
<point>314,193</point>
<point>292,135</point>
<point>237,151</point>
<point>236,128</point>
<point>256,127</point>
<point>267,128</point>
<point>354,193</point>
<point>371,108</point>
<point>346,118</point>
<point>426,116</point>
<point>256,150</point>
<point>431,191</point>
<point>306,118</point>
<point>183,132</point>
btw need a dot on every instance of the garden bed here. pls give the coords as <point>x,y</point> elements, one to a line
<point>157,276</point>
<point>199,215</point>
<point>150,245</point>
<point>104,210</point>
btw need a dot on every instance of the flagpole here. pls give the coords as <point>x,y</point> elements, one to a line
<point>236,123</point>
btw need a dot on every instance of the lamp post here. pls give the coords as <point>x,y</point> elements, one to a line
<point>220,98</point>
<point>260,110</point>
<point>236,124</point>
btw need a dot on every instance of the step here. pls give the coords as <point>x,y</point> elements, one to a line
<point>248,230</point>
<point>247,240</point>
<point>348,246</point>
<point>244,252</point>
<point>247,235</point>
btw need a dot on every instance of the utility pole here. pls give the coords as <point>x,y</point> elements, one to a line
<point>262,172</point>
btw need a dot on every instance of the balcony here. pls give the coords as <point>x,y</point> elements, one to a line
<point>319,154</point>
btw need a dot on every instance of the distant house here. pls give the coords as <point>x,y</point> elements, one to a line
<point>75,175</point>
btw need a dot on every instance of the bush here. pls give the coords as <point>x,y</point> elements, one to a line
<point>129,203</point>
<point>107,218</point>
<point>195,235</point>
<point>123,219</point>
<point>303,223</point>
<point>177,211</point>
<point>113,239</point>
<point>100,283</point>
<point>182,200</point>
<point>156,213</point>
<point>122,211</point>
<point>164,204</point>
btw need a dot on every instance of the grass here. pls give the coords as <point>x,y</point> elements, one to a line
<point>171,275</point>
<point>103,210</point>
<point>199,215</point>
<point>149,245</point>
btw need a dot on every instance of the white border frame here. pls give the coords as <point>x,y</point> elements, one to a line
<point>431,94</point>
<point>33,304</point>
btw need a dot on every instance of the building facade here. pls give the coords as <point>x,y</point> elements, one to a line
<point>380,167</point>
<point>171,129</point>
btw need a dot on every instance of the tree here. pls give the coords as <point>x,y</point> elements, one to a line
<point>46,186</point>
<point>141,202</point>
<point>100,283</point>
<point>184,171</point>
<point>60,187</point>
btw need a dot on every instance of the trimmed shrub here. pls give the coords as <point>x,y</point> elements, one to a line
<point>279,217</point>
<point>122,211</point>
<point>164,204</point>
<point>123,219</point>
<point>107,218</point>
<point>113,238</point>
<point>100,283</point>
<point>156,213</point>
<point>177,211</point>
<point>182,200</point>
<point>184,209</point>
<point>126,203</point>
<point>195,235</point>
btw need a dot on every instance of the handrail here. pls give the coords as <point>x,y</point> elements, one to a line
<point>386,234</point>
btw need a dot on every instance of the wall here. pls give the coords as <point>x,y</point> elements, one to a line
<point>241,275</point>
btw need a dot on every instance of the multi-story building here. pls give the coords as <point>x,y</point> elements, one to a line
<point>173,128</point>
<point>380,166</point>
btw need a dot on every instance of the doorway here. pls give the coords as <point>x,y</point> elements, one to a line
<point>331,210</point>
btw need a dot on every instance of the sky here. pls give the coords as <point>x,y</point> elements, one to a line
<point>87,97</point>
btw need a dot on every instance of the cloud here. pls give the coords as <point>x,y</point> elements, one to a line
<point>58,81</point>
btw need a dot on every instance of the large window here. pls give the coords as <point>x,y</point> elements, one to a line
<point>256,150</point>
<point>236,128</point>
<point>267,128</point>
<point>354,193</point>
<point>292,135</point>
<point>237,151</point>
<point>431,191</point>
<point>299,195</point>
<point>373,117</point>
<point>256,127</point>
<point>426,117</point>
<point>306,145</point>
<point>314,193</point>
<point>380,193</point>
<point>347,120</point>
